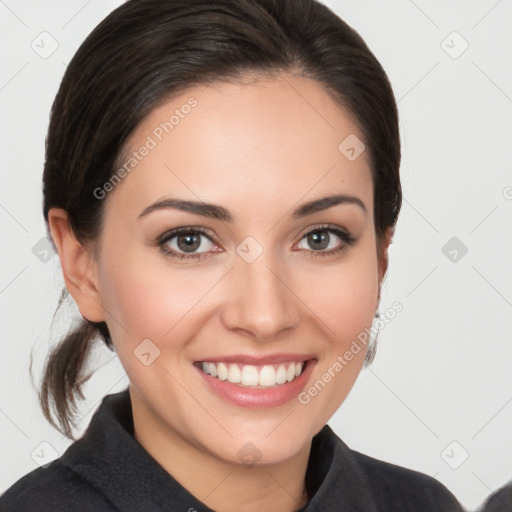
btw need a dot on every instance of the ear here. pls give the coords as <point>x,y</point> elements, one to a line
<point>78,266</point>
<point>383,260</point>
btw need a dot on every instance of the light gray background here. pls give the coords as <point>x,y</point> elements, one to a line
<point>440,388</point>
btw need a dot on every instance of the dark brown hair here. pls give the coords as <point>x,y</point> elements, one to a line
<point>145,52</point>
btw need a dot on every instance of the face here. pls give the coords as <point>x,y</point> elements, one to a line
<point>217,254</point>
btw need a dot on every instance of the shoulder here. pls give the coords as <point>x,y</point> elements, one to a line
<point>54,488</point>
<point>405,489</point>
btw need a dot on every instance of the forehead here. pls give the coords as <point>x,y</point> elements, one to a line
<point>265,144</point>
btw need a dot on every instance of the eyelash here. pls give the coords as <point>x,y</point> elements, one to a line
<point>162,240</point>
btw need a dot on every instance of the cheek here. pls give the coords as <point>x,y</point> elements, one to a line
<point>147,299</point>
<point>148,302</point>
<point>345,295</point>
<point>345,301</point>
<point>350,304</point>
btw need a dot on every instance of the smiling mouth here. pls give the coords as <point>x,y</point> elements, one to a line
<point>254,376</point>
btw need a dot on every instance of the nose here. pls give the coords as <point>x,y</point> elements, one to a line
<point>260,301</point>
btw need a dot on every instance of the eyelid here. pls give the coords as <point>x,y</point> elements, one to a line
<point>171,233</point>
<point>326,227</point>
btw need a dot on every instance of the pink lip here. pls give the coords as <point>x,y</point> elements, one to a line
<point>259,360</point>
<point>259,397</point>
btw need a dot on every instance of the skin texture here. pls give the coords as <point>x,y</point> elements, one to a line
<point>258,150</point>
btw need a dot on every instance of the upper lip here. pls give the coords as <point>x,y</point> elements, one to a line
<point>258,360</point>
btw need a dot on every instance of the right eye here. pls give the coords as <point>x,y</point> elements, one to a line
<point>187,243</point>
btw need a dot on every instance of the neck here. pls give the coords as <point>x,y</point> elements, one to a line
<point>220,484</point>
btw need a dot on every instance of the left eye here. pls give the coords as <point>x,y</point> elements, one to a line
<point>324,239</point>
<point>189,242</point>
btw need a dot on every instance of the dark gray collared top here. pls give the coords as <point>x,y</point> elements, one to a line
<point>107,470</point>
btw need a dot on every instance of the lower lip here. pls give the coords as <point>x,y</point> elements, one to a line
<point>259,397</point>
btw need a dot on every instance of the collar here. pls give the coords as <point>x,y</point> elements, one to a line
<point>110,458</point>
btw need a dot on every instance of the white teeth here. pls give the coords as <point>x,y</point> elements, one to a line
<point>281,375</point>
<point>267,376</point>
<point>222,371</point>
<point>213,370</point>
<point>234,374</point>
<point>250,375</point>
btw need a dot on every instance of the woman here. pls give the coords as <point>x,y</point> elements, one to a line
<point>221,185</point>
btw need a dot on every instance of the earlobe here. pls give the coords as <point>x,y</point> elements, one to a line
<point>78,266</point>
<point>390,231</point>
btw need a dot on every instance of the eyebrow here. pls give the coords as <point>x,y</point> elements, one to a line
<point>218,212</point>
<point>324,203</point>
